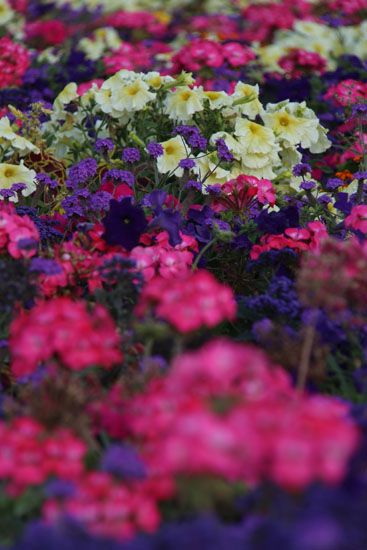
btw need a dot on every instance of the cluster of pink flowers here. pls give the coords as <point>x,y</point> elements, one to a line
<point>238,194</point>
<point>128,56</point>
<point>348,7</point>
<point>296,238</point>
<point>299,62</point>
<point>265,18</point>
<point>50,33</point>
<point>243,420</point>
<point>106,507</point>
<point>14,61</point>
<point>30,456</point>
<point>190,301</point>
<point>357,219</point>
<point>66,329</point>
<point>18,234</point>
<point>140,20</point>
<point>334,277</point>
<point>162,259</point>
<point>347,92</point>
<point>202,53</point>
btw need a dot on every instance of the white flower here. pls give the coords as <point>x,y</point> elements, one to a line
<point>255,137</point>
<point>7,134</point>
<point>208,171</point>
<point>251,105</point>
<point>132,97</point>
<point>184,102</point>
<point>217,100</point>
<point>17,173</point>
<point>66,96</point>
<point>175,149</point>
<point>6,13</point>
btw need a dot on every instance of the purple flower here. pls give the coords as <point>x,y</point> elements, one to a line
<point>333,183</point>
<point>45,266</point>
<point>82,172</point>
<point>124,224</point>
<point>104,145</point>
<point>186,164</point>
<point>194,184</point>
<point>214,189</point>
<point>360,175</point>
<point>44,179</point>
<point>99,201</point>
<point>223,151</point>
<point>308,185</point>
<point>155,149</point>
<point>131,155</point>
<point>192,136</point>
<point>301,169</point>
<point>122,176</point>
<point>124,461</point>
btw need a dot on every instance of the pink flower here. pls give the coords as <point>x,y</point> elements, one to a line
<point>51,32</point>
<point>18,234</point>
<point>189,301</point>
<point>357,219</point>
<point>14,61</point>
<point>347,92</point>
<point>66,329</point>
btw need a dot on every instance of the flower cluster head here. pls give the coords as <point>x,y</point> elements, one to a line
<point>189,302</point>
<point>65,329</point>
<point>295,238</point>
<point>225,410</point>
<point>162,259</point>
<point>30,456</point>
<point>18,234</point>
<point>357,219</point>
<point>299,62</point>
<point>202,53</point>
<point>14,61</point>
<point>347,93</point>
<point>239,194</point>
<point>106,507</point>
<point>128,56</point>
<point>335,276</point>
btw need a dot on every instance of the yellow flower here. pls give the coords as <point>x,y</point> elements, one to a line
<point>255,137</point>
<point>287,126</point>
<point>133,96</point>
<point>217,100</point>
<point>7,134</point>
<point>184,102</point>
<point>175,150</point>
<point>17,173</point>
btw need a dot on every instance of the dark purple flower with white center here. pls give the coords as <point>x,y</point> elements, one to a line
<point>103,146</point>
<point>155,149</point>
<point>131,155</point>
<point>45,266</point>
<point>301,169</point>
<point>124,224</point>
<point>123,461</point>
<point>308,185</point>
<point>121,176</point>
<point>187,164</point>
<point>224,153</point>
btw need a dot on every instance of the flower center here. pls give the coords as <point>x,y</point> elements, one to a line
<point>9,172</point>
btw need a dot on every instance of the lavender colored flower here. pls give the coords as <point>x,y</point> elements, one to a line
<point>122,176</point>
<point>82,172</point>
<point>99,201</point>
<point>308,185</point>
<point>214,189</point>
<point>124,224</point>
<point>155,149</point>
<point>333,183</point>
<point>7,193</point>
<point>124,461</point>
<point>46,180</point>
<point>194,184</point>
<point>223,151</point>
<point>187,164</point>
<point>301,169</point>
<point>104,145</point>
<point>131,155</point>
<point>362,175</point>
<point>45,266</point>
<point>192,136</point>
